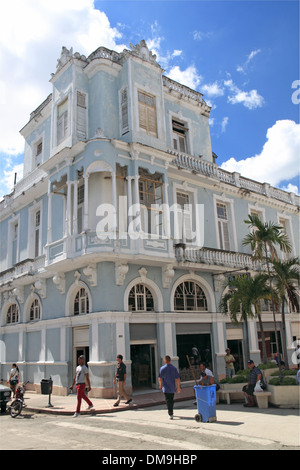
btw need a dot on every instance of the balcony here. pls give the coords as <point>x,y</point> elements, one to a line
<point>213,257</point>
<point>23,271</point>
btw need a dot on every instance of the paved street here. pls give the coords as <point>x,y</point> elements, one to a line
<point>150,429</point>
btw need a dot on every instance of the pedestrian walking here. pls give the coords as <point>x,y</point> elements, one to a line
<point>169,380</point>
<point>81,375</point>
<point>120,378</point>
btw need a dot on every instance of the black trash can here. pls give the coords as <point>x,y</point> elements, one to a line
<point>46,389</point>
<point>46,386</point>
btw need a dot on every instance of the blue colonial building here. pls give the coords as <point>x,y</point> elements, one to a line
<point>121,233</point>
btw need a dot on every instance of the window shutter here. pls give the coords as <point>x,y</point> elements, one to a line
<point>147,113</point>
<point>142,117</point>
<point>124,111</point>
<point>62,121</point>
<point>81,115</point>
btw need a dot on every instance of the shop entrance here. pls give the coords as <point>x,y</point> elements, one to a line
<point>198,348</point>
<point>143,367</point>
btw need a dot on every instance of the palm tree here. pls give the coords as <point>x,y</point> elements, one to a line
<point>242,301</point>
<point>263,240</point>
<point>286,274</point>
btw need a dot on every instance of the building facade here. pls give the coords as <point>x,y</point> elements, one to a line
<point>122,231</point>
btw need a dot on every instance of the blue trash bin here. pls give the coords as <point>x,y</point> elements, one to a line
<point>206,403</point>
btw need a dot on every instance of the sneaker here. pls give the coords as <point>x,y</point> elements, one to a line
<point>116,404</point>
<point>90,407</point>
<point>128,401</point>
<point>75,415</point>
<point>171,417</point>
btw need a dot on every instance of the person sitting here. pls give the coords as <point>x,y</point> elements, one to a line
<point>206,379</point>
<point>255,376</point>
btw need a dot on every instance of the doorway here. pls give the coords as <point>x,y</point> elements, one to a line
<point>143,367</point>
<point>236,349</point>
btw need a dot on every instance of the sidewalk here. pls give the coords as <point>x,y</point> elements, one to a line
<point>66,405</point>
<point>262,425</point>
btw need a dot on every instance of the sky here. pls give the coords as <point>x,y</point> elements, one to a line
<point>243,56</point>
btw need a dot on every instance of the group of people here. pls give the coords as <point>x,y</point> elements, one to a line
<point>169,381</point>
<point>81,379</point>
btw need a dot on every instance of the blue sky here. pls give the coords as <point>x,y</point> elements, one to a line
<point>242,55</point>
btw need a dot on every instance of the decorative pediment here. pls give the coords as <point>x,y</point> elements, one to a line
<point>141,50</point>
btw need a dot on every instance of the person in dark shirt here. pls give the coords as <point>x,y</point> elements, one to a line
<point>169,380</point>
<point>255,376</point>
<point>120,378</point>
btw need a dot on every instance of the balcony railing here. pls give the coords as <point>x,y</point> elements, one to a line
<point>211,256</point>
<point>205,168</point>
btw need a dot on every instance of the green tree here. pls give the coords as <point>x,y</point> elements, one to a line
<point>263,239</point>
<point>285,278</point>
<point>242,301</point>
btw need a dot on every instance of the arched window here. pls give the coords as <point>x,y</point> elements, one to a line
<point>35,310</point>
<point>12,314</point>
<point>140,299</point>
<point>81,302</point>
<point>190,297</point>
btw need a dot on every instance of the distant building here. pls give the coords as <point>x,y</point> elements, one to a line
<point>121,232</point>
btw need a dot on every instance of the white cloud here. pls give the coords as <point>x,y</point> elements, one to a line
<point>243,68</point>
<point>291,188</point>
<point>188,77</point>
<point>224,123</point>
<point>32,33</point>
<point>212,90</point>
<point>279,158</point>
<point>250,99</point>
<point>200,35</point>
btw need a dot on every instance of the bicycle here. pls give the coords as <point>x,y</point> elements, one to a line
<point>18,404</point>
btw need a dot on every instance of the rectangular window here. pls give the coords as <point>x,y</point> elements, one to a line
<point>62,121</point>
<point>80,206</point>
<point>223,226</point>
<point>151,199</point>
<point>38,153</point>
<point>184,217</point>
<point>81,115</point>
<point>147,113</point>
<point>179,136</point>
<point>37,233</point>
<point>15,243</point>
<point>124,112</point>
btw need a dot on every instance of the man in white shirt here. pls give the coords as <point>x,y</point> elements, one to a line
<point>82,375</point>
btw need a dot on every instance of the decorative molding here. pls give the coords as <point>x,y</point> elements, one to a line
<point>19,293</point>
<point>59,280</point>
<point>141,50</point>
<point>167,275</point>
<point>40,286</point>
<point>121,269</point>
<point>91,273</point>
<point>218,282</point>
<point>143,273</point>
